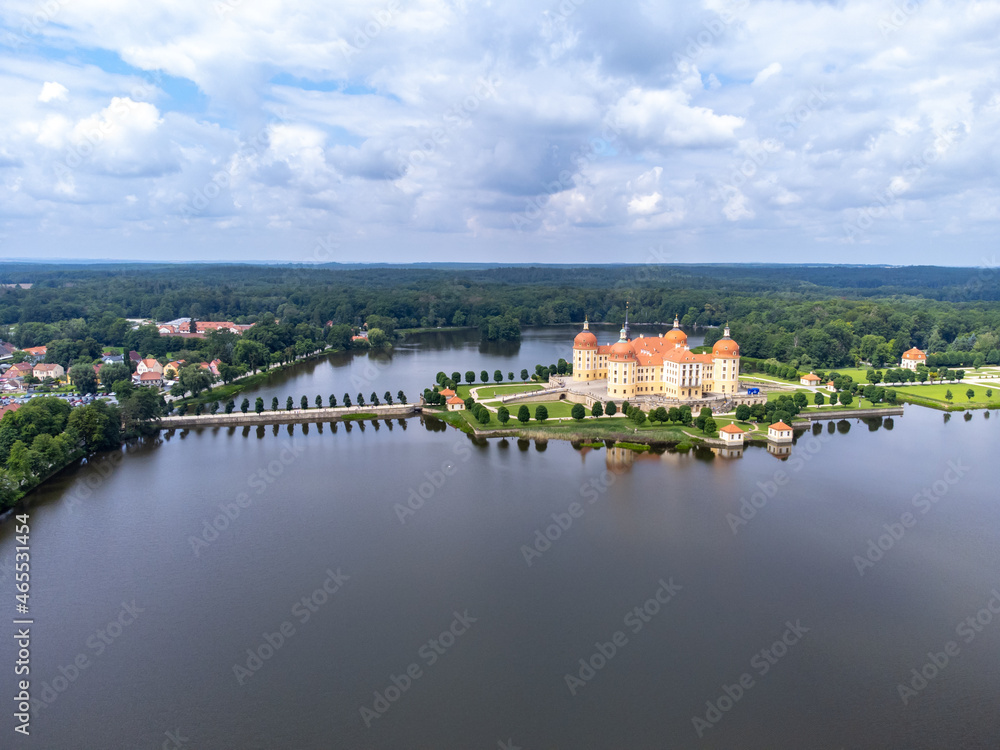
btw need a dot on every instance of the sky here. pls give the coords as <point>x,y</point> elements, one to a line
<point>522,131</point>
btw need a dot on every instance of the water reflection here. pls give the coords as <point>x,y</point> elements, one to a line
<point>523,444</point>
<point>843,426</point>
<point>947,417</point>
<point>261,432</point>
<point>888,423</point>
<point>968,416</point>
<point>781,452</point>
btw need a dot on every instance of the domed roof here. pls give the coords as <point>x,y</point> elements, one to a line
<point>622,351</point>
<point>675,336</point>
<point>726,348</point>
<point>585,340</point>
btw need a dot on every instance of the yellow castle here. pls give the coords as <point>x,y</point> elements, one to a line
<point>657,365</point>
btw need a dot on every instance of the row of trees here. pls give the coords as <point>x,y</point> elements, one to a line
<point>258,406</point>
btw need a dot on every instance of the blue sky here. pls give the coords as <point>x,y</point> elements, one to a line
<point>577,130</point>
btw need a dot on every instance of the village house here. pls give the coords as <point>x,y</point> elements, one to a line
<point>149,365</point>
<point>6,349</point>
<point>912,358</point>
<point>42,371</point>
<point>151,378</point>
<point>37,353</point>
<point>455,404</point>
<point>810,379</point>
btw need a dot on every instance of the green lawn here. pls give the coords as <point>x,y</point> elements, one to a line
<point>937,392</point>
<point>555,408</point>
<point>492,391</point>
<point>464,390</point>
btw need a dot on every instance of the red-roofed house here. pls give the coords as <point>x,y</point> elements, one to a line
<point>8,409</point>
<point>149,365</point>
<point>779,432</point>
<point>455,404</point>
<point>151,378</point>
<point>912,358</point>
<point>447,392</point>
<point>731,434</point>
<point>810,379</point>
<point>36,352</point>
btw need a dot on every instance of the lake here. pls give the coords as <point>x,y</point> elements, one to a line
<point>397,584</point>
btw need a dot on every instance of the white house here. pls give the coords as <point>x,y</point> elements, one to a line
<point>731,435</point>
<point>912,358</point>
<point>779,432</point>
<point>810,379</point>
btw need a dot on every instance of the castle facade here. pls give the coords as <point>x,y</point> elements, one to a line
<point>657,365</point>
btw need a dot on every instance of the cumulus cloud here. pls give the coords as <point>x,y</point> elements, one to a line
<point>53,91</point>
<point>515,125</point>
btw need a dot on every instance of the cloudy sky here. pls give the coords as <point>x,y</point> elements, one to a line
<point>572,130</point>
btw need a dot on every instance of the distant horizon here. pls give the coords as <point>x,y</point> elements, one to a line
<point>458,264</point>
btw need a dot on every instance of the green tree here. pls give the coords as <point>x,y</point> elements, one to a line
<point>524,374</point>
<point>274,404</point>
<point>361,400</point>
<point>484,376</point>
<point>373,399</point>
<point>969,394</point>
<point>289,404</point>
<point>819,399</point>
<point>673,414</point>
<point>541,413</point>
<point>510,376</point>
<point>710,427</point>
<point>743,411</point>
<point>523,414</point>
<point>332,401</point>
<point>84,378</point>
<point>245,406</point>
<point>304,402</point>
<point>846,398</point>
<point>258,405</point>
<point>387,397</point>
<point>948,395</point>
<point>483,417</point>
<point>250,353</point>
<point>456,377</point>
<point>319,401</point>
<point>597,410</point>
<point>800,400</point>
<point>497,376</point>
<point>347,399</point>
<point>503,415</point>
<point>611,408</point>
<point>578,412</point>
<point>470,377</point>
<point>230,405</point>
<point>402,397</point>
<point>195,379</point>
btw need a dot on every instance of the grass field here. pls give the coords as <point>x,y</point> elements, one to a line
<point>492,391</point>
<point>555,408</point>
<point>936,394</point>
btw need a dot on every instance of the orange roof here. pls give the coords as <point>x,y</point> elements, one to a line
<point>456,400</point>
<point>585,340</point>
<point>812,377</point>
<point>8,408</point>
<point>780,426</point>
<point>151,376</point>
<point>46,368</point>
<point>914,353</point>
<point>446,392</point>
<point>36,351</point>
<point>726,348</point>
<point>731,429</point>
<point>150,362</point>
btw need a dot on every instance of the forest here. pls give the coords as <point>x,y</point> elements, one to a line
<point>803,315</point>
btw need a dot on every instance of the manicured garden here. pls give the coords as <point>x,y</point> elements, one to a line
<point>937,395</point>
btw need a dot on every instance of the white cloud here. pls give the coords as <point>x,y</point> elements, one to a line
<point>771,70</point>
<point>369,119</point>
<point>53,91</point>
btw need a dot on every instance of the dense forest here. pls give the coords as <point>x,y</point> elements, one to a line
<point>808,316</point>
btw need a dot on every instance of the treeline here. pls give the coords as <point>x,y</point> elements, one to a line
<point>805,316</point>
<point>46,435</point>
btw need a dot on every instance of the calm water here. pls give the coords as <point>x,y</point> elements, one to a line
<point>319,501</point>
